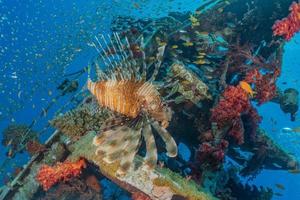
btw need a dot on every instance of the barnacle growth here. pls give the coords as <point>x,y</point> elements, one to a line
<point>128,90</point>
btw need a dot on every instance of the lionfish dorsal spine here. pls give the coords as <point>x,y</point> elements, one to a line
<point>159,58</point>
<point>144,69</point>
<point>104,51</point>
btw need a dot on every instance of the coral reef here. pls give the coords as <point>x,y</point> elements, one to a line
<point>249,192</point>
<point>16,136</point>
<point>93,183</point>
<point>48,176</point>
<point>287,27</point>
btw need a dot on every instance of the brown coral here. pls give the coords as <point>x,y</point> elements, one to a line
<point>76,123</point>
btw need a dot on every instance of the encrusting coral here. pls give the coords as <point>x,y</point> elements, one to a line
<point>141,178</point>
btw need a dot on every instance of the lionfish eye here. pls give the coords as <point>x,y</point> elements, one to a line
<point>153,106</point>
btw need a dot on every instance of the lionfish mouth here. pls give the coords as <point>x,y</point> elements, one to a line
<point>123,87</point>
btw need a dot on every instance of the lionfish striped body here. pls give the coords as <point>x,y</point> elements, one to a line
<point>125,96</point>
<point>137,104</point>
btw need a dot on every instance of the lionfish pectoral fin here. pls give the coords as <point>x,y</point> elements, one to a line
<point>130,151</point>
<point>171,145</point>
<point>151,154</point>
<point>111,137</point>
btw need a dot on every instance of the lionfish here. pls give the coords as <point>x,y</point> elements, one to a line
<point>127,88</point>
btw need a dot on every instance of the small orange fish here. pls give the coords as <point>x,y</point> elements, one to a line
<point>245,86</point>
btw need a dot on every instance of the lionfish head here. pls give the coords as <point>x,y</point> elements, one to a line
<point>158,111</point>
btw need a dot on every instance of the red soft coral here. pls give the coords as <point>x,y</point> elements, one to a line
<point>234,102</point>
<point>265,85</point>
<point>47,176</point>
<point>211,154</point>
<point>288,26</point>
<point>227,113</point>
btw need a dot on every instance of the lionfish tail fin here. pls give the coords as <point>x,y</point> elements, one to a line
<point>171,145</point>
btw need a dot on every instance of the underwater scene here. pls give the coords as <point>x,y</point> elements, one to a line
<point>149,99</point>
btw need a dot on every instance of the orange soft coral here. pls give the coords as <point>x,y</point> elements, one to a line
<point>47,176</point>
<point>288,26</point>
